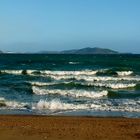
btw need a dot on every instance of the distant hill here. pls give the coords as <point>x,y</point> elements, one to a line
<point>90,51</point>
<point>82,51</point>
<point>78,51</point>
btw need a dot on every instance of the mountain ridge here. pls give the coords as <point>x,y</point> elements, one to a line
<point>87,50</point>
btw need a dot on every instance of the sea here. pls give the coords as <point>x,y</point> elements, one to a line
<point>70,85</point>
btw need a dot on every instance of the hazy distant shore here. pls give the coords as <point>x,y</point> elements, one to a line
<point>87,50</point>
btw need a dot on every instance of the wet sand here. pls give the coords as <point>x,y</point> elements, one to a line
<point>68,128</point>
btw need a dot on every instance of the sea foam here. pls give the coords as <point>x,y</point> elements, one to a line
<point>56,104</point>
<point>63,73</point>
<point>12,104</point>
<point>12,71</point>
<point>112,85</point>
<point>124,73</point>
<point>73,93</point>
<point>94,78</point>
<point>126,105</point>
<point>67,74</point>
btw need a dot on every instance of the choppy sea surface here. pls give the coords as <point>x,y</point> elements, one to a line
<point>85,85</point>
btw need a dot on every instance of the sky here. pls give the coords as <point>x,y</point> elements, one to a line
<point>37,25</point>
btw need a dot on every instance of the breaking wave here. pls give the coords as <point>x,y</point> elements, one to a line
<point>63,73</point>
<point>57,105</point>
<point>12,104</point>
<point>95,78</point>
<point>47,72</point>
<point>123,105</point>
<point>124,73</point>
<point>69,73</point>
<point>18,72</point>
<point>73,93</point>
<point>11,71</point>
<point>96,84</point>
<point>113,85</point>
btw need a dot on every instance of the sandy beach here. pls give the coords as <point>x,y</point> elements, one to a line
<point>68,128</point>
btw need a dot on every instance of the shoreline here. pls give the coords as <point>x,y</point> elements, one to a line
<point>34,127</point>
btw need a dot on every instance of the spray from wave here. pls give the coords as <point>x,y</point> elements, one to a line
<point>58,105</point>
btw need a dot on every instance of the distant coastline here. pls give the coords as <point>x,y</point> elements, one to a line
<point>85,51</point>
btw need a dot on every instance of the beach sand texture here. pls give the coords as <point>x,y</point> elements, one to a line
<point>68,128</point>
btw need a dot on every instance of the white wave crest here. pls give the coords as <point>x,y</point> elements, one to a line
<point>124,73</point>
<point>15,105</point>
<point>12,104</point>
<point>30,71</point>
<point>39,84</point>
<point>47,72</point>
<point>17,72</point>
<point>46,83</point>
<point>73,93</point>
<point>63,73</point>
<point>83,73</point>
<point>94,78</point>
<point>56,104</point>
<point>112,85</point>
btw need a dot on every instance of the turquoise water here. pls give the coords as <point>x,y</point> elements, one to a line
<point>91,85</point>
